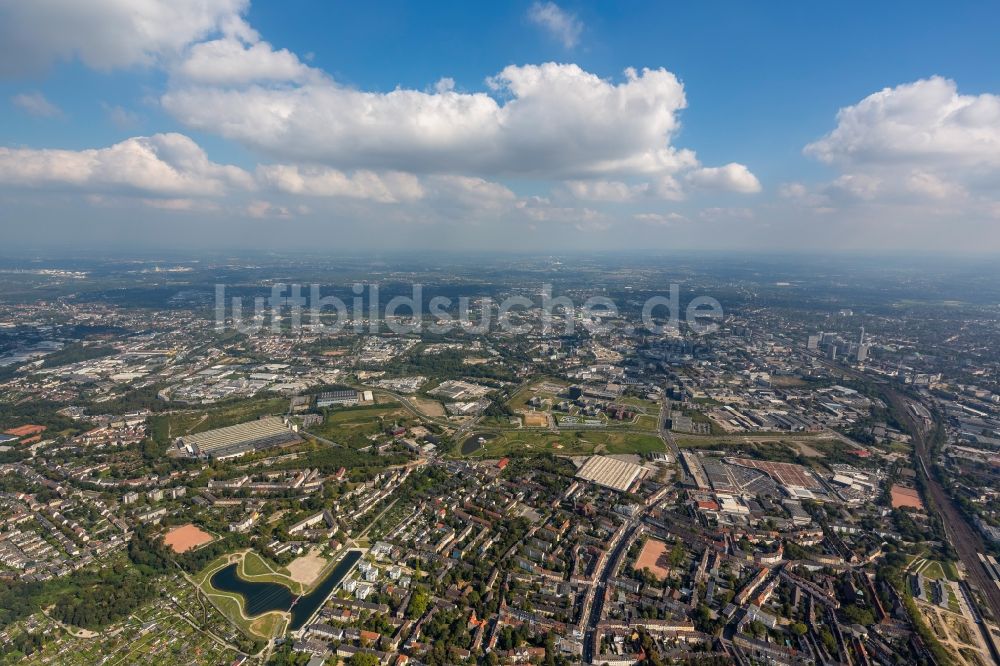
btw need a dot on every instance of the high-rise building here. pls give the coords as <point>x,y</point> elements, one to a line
<point>812,343</point>
<point>862,354</point>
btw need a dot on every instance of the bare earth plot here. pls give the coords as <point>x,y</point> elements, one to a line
<point>653,557</point>
<point>536,420</point>
<point>307,568</point>
<point>186,537</point>
<point>906,497</point>
<point>428,407</point>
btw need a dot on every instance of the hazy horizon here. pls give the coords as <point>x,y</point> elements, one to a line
<point>528,126</point>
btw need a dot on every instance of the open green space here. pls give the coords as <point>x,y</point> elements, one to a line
<point>496,422</point>
<point>647,422</point>
<point>803,448</point>
<point>352,427</point>
<point>650,407</point>
<point>575,442</point>
<point>254,567</point>
<point>933,571</point>
<point>950,571</point>
<point>743,439</point>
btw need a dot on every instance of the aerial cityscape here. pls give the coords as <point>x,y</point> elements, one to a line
<point>421,334</point>
<point>810,478</point>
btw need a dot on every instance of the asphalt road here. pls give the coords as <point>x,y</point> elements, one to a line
<point>590,636</point>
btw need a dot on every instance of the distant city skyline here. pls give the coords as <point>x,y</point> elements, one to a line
<point>525,126</point>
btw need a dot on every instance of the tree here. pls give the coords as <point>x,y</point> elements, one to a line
<point>677,555</point>
<point>363,659</point>
<point>859,615</point>
<point>829,642</point>
<point>418,604</point>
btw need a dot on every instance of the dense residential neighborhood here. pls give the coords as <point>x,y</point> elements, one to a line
<point>769,491</point>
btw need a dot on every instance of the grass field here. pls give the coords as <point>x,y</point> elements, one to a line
<point>645,422</point>
<point>495,422</point>
<point>787,381</point>
<point>950,571</point>
<point>428,407</point>
<point>695,441</point>
<point>255,568</point>
<point>933,571</point>
<point>353,426</point>
<point>580,442</point>
<point>645,406</point>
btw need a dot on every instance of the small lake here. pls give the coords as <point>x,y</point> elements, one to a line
<point>471,444</point>
<point>261,598</point>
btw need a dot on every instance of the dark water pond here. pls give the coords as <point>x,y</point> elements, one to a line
<point>264,597</point>
<point>471,444</point>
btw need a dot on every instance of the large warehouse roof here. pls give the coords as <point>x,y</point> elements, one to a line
<point>611,473</point>
<point>239,439</point>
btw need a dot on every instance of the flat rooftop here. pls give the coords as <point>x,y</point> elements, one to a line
<point>787,474</point>
<point>611,473</point>
<point>239,439</point>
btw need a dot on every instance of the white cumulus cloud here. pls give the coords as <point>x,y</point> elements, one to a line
<point>561,24</point>
<point>438,150</point>
<point>392,187</point>
<point>236,59</point>
<point>163,164</point>
<point>732,177</point>
<point>926,122</point>
<point>549,121</point>
<point>106,34</point>
<point>922,139</point>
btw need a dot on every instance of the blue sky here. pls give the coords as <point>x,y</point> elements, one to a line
<point>259,123</point>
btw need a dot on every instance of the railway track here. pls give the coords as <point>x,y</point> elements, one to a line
<point>962,535</point>
<point>966,541</point>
